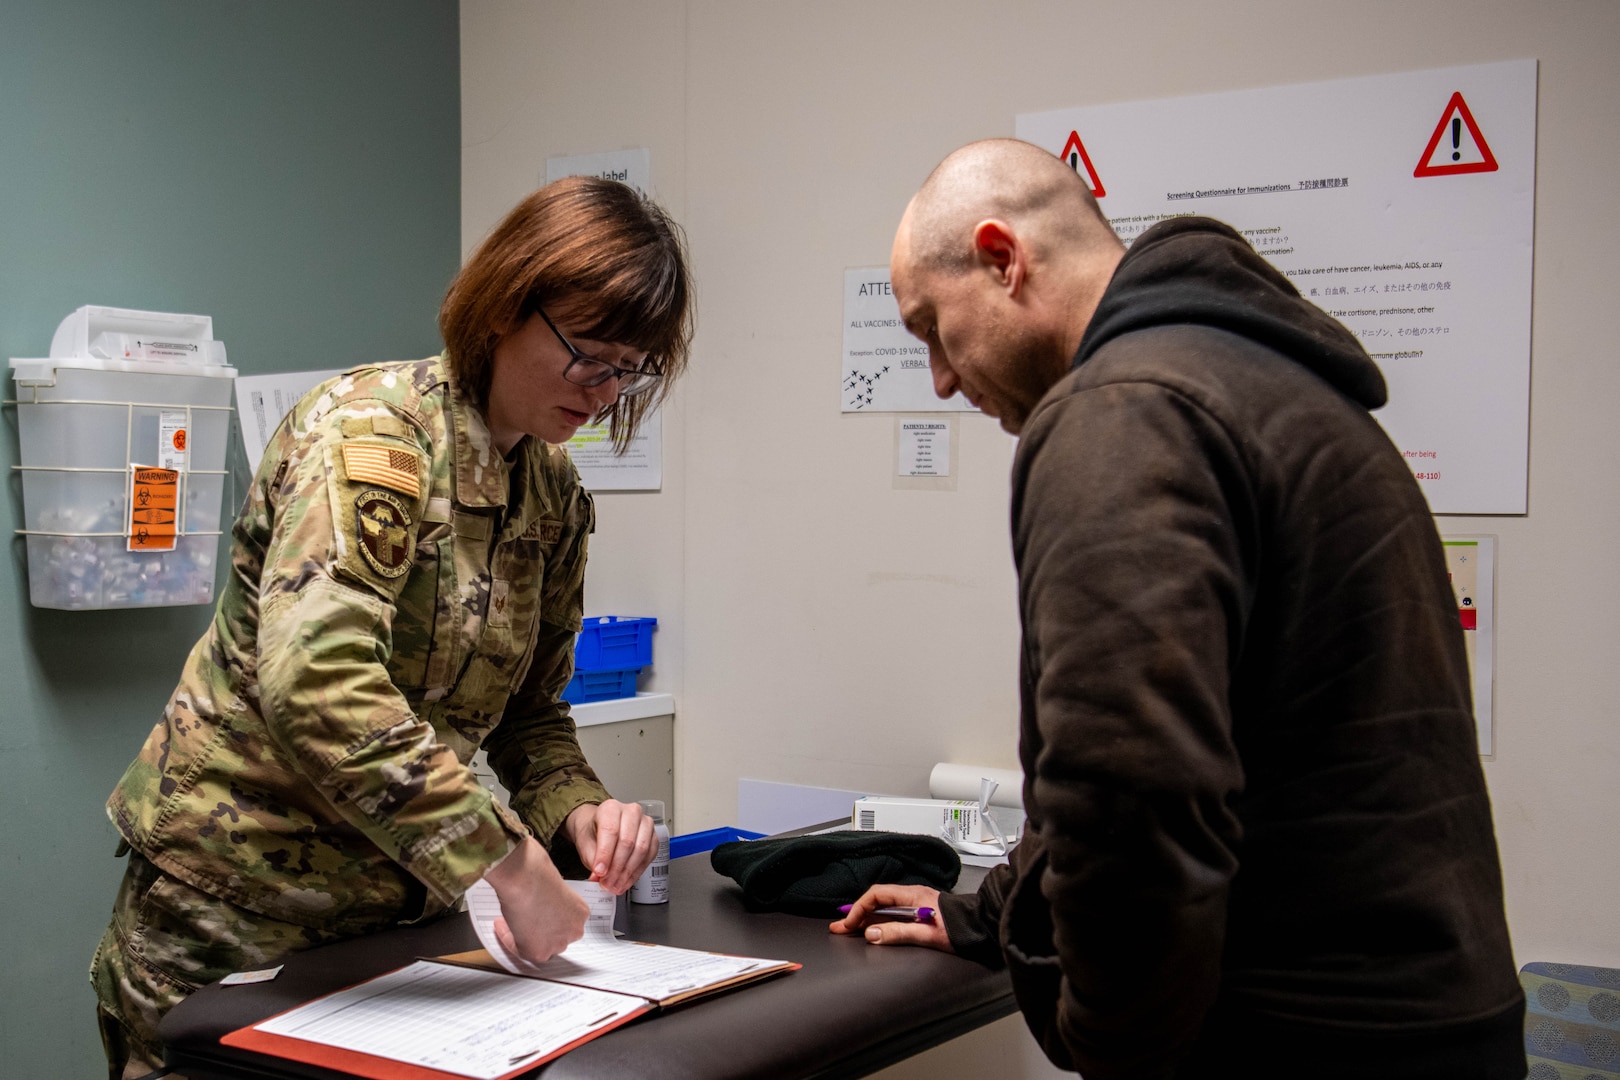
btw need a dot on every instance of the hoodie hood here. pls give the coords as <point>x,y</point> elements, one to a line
<point>1196,270</point>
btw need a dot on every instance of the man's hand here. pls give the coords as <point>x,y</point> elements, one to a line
<point>541,914</point>
<point>887,932</point>
<point>614,839</point>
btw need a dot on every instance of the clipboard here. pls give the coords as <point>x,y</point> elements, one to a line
<point>395,1000</point>
<point>483,961</point>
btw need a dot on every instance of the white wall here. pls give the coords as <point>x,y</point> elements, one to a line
<point>820,626</point>
<point>540,80</point>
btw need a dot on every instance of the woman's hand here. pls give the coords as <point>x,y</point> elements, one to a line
<point>614,840</point>
<point>541,914</point>
<point>880,931</point>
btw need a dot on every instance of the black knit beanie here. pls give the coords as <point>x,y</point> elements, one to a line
<point>812,875</point>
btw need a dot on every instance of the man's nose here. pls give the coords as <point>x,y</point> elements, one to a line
<point>945,381</point>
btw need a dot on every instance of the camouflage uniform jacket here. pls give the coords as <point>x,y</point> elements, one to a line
<point>399,595</point>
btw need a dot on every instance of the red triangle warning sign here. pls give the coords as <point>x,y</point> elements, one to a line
<point>1457,145</point>
<point>1074,156</point>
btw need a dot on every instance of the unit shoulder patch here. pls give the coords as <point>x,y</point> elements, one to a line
<point>375,424</point>
<point>384,424</point>
<point>398,468</point>
<point>383,529</point>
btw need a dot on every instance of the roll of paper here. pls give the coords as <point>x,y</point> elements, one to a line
<point>952,781</point>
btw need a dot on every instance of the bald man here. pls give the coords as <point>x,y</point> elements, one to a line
<point>1259,840</point>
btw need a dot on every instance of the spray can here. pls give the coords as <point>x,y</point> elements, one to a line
<point>653,885</point>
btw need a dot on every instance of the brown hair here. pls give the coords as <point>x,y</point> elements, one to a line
<point>595,247</point>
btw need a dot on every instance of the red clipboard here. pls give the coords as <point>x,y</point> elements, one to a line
<point>378,1068</point>
<point>357,1063</point>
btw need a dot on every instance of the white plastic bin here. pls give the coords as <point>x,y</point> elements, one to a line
<point>84,420</point>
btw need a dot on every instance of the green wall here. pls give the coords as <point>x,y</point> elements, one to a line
<point>290,168</point>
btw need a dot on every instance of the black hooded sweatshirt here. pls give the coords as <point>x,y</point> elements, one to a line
<point>1259,839</point>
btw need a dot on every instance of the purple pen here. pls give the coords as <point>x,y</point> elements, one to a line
<point>907,914</point>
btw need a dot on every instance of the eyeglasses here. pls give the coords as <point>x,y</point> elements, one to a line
<point>585,370</point>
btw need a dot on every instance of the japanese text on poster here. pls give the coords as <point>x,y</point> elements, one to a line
<point>1401,204</point>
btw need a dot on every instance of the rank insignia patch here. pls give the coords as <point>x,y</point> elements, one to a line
<point>500,600</point>
<point>383,527</point>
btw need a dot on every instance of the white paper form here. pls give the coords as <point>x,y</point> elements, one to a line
<point>484,907</point>
<point>925,448</point>
<point>602,961</point>
<point>1403,205</point>
<point>262,400</point>
<point>633,167</point>
<point>459,1020</point>
<point>885,368</point>
<point>639,468</point>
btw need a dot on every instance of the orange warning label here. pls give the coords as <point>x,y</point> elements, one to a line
<point>1075,157</point>
<point>153,499</point>
<point>1457,145</point>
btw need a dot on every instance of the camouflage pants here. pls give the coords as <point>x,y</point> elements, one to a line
<point>166,940</point>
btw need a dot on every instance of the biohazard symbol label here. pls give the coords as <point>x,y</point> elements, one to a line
<point>1457,145</point>
<point>153,497</point>
<point>1075,157</point>
<point>383,527</point>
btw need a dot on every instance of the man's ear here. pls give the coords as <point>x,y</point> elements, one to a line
<point>997,249</point>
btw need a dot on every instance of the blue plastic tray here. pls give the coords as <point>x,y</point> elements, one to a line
<point>601,685</point>
<point>695,843</point>
<point>614,642</point>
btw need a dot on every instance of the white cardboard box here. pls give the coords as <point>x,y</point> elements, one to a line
<point>950,819</point>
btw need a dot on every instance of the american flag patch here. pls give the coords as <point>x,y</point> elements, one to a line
<point>400,470</point>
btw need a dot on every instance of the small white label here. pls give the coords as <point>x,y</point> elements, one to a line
<point>653,885</point>
<point>243,978</point>
<point>168,350</point>
<point>173,440</point>
<point>633,167</point>
<point>925,448</point>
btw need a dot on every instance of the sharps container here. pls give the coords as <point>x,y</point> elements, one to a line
<point>122,433</point>
<point>652,887</point>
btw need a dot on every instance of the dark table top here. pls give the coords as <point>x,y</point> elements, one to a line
<point>854,1008</point>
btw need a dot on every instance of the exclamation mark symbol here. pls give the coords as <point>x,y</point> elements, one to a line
<point>1075,157</point>
<point>1456,137</point>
